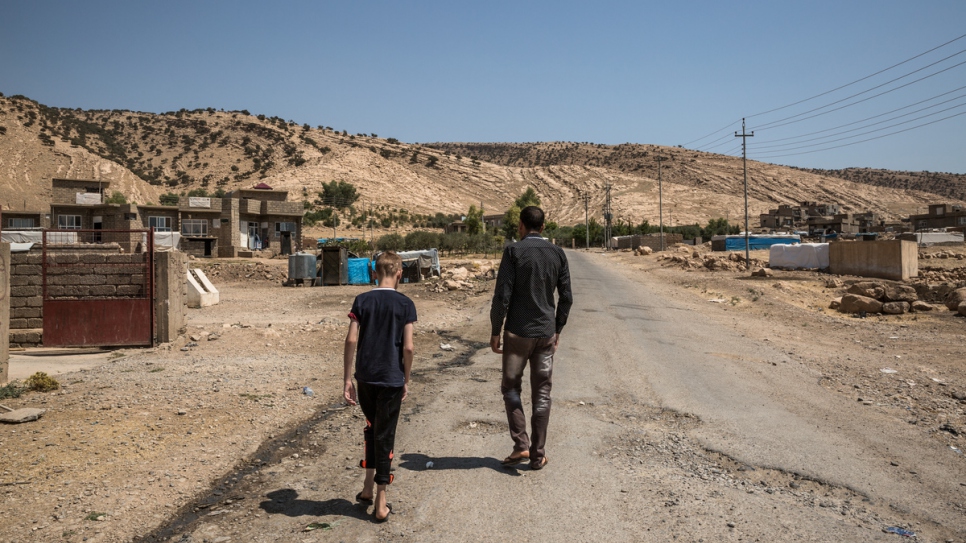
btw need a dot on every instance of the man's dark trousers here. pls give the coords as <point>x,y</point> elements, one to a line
<point>517,351</point>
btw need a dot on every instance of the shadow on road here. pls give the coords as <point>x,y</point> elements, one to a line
<point>417,462</point>
<point>286,502</point>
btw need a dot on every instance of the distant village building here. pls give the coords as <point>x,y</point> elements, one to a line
<point>244,220</point>
<point>817,219</point>
<point>939,216</point>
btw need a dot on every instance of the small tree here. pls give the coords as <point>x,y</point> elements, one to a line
<point>474,221</point>
<point>390,242</point>
<point>198,193</point>
<point>511,221</point>
<point>339,194</point>
<point>528,198</point>
<point>116,198</point>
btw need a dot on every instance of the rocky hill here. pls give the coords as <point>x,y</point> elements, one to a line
<point>145,155</point>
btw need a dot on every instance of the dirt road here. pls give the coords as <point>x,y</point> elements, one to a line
<point>670,421</point>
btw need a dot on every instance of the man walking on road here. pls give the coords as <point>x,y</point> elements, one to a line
<point>530,271</point>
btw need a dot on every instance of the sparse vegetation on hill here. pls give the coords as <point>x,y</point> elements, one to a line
<point>144,155</point>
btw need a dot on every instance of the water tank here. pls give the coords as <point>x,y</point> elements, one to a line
<point>301,266</point>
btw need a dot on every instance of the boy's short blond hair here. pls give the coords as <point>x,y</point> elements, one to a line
<point>387,264</point>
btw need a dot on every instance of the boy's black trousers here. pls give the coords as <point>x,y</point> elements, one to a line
<point>381,407</point>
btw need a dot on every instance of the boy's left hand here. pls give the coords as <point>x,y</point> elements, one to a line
<point>405,391</point>
<point>349,393</point>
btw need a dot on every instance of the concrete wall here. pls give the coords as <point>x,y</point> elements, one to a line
<point>896,260</point>
<point>4,310</point>
<point>654,241</point>
<point>170,295</point>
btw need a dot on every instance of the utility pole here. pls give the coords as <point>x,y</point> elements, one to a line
<point>608,215</point>
<point>660,197</point>
<point>587,220</point>
<point>744,163</point>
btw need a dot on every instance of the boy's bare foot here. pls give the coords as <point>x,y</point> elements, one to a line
<point>381,509</point>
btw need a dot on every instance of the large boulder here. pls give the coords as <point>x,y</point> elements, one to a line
<point>920,305</point>
<point>897,292</point>
<point>895,308</point>
<point>869,289</point>
<point>836,303</point>
<point>962,309</point>
<point>854,303</point>
<point>954,298</point>
<point>458,274</point>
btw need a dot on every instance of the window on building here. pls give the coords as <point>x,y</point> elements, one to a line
<point>284,227</point>
<point>961,221</point>
<point>194,227</point>
<point>20,223</point>
<point>160,224</point>
<point>69,222</point>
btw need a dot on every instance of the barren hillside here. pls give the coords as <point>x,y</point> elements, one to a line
<point>147,154</point>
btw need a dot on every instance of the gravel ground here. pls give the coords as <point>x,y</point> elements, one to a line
<point>186,438</point>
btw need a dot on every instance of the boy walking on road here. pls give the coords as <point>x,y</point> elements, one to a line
<point>381,338</point>
<point>530,271</point>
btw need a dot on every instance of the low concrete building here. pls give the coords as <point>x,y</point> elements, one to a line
<point>244,220</point>
<point>939,216</point>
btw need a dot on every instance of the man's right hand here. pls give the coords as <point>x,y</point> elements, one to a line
<point>495,344</point>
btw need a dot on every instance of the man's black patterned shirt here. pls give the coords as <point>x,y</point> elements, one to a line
<point>530,271</point>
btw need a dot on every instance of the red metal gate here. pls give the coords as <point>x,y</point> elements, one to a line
<point>98,288</point>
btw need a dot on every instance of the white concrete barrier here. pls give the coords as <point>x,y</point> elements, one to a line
<point>201,293</point>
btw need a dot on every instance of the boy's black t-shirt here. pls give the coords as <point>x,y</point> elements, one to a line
<point>382,314</point>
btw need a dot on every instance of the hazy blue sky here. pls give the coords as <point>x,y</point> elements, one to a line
<point>606,72</point>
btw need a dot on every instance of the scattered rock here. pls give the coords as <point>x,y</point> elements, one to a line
<point>954,298</point>
<point>833,283</point>
<point>18,416</point>
<point>895,308</point>
<point>854,303</point>
<point>451,284</point>
<point>836,302</point>
<point>962,309</point>
<point>920,305</point>
<point>867,289</point>
<point>762,272</point>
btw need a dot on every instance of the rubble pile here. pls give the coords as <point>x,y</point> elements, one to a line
<point>240,272</point>
<point>942,275</point>
<point>461,276</point>
<point>871,297</point>
<point>692,259</point>
<point>941,255</point>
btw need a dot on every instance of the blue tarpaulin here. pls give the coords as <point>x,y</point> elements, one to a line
<point>359,271</point>
<point>757,242</point>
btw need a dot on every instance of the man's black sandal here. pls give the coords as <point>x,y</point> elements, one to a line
<point>359,498</point>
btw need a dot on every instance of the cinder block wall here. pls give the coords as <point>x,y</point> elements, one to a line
<point>654,240</point>
<point>70,275</point>
<point>895,259</point>
<point>26,300</point>
<point>4,310</point>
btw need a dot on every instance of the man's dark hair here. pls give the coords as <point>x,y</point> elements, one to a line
<point>532,218</point>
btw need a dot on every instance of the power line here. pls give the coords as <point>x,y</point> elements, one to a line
<point>781,154</point>
<point>727,126</point>
<point>834,90</point>
<point>780,122</point>
<point>857,80</point>
<point>879,115</point>
<point>866,126</point>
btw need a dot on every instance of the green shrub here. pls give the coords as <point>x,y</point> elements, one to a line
<point>41,382</point>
